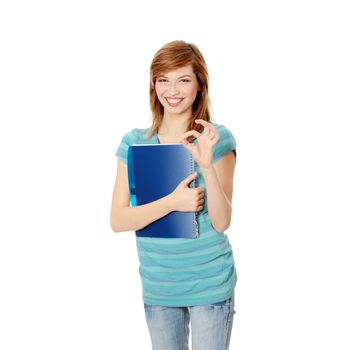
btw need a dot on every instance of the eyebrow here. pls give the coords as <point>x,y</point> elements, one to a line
<point>182,76</point>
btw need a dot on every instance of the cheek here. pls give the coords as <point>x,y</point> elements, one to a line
<point>159,91</point>
<point>192,89</point>
<point>192,92</point>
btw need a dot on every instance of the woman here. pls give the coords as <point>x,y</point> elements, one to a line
<point>185,281</point>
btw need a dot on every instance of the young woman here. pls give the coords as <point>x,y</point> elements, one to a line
<point>185,281</point>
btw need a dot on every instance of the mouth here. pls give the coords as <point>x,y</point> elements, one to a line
<point>173,102</point>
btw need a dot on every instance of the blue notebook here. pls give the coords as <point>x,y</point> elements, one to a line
<point>154,171</point>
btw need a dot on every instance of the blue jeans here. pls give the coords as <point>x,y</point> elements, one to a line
<point>211,326</point>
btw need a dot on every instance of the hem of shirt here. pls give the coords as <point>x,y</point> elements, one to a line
<point>189,302</point>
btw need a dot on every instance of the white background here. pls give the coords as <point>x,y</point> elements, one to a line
<point>74,78</point>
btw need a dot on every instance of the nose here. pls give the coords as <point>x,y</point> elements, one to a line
<point>173,89</point>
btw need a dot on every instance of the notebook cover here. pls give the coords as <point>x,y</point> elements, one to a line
<point>154,171</point>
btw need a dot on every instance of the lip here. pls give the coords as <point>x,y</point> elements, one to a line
<point>171,104</point>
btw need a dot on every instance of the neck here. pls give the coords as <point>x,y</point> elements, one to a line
<point>174,125</point>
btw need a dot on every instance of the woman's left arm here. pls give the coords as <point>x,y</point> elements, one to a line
<point>219,184</point>
<point>218,177</point>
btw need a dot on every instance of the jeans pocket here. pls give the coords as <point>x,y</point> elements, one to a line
<point>151,308</point>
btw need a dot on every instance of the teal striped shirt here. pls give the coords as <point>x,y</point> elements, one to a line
<point>180,271</point>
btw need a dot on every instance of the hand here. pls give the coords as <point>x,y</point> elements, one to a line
<point>184,198</point>
<point>202,152</point>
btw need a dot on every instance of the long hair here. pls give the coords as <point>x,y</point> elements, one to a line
<point>173,55</point>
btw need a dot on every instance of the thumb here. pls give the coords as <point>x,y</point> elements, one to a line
<point>189,178</point>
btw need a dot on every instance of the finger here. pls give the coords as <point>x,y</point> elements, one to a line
<point>200,190</point>
<point>184,142</point>
<point>189,178</point>
<point>211,134</point>
<point>216,138</point>
<point>213,130</point>
<point>194,133</point>
<point>200,197</point>
<point>203,122</point>
<point>189,146</point>
<point>207,125</point>
<point>192,176</point>
<point>206,131</point>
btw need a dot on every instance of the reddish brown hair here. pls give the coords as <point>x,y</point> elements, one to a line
<point>173,55</point>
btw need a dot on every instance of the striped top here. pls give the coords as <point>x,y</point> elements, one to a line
<point>180,271</point>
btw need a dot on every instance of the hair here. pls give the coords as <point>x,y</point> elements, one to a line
<point>173,55</point>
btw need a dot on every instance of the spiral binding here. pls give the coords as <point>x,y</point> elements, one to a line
<point>194,185</point>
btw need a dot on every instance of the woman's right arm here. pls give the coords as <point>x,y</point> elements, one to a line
<point>125,218</point>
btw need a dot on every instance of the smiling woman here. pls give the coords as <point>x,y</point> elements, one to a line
<point>184,280</point>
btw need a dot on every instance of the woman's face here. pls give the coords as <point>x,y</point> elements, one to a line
<point>177,90</point>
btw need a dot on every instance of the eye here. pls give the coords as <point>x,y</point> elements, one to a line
<point>161,80</point>
<point>185,80</point>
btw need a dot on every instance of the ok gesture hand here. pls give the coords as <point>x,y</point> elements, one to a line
<point>202,152</point>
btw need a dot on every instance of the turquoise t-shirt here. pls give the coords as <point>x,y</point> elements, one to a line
<point>180,271</point>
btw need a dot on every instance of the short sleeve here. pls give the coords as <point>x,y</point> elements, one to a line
<point>225,144</point>
<point>122,151</point>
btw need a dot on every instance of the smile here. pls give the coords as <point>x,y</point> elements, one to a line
<point>173,102</point>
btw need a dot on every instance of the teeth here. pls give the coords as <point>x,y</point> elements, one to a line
<point>173,100</point>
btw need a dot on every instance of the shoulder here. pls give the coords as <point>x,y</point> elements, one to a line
<point>226,143</point>
<point>224,132</point>
<point>134,136</point>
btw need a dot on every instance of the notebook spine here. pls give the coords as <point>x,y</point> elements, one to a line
<point>193,184</point>
<point>131,178</point>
